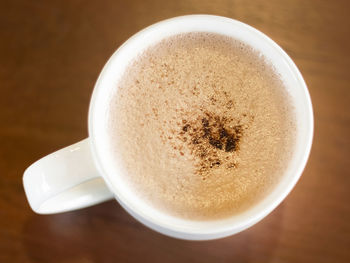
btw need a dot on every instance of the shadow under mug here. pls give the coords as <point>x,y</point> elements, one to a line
<point>81,175</point>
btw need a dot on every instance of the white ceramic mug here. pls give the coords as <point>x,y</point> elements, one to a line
<point>82,175</point>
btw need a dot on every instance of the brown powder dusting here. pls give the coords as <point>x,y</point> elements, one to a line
<point>213,140</point>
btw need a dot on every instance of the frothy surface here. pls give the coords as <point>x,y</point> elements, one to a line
<point>202,125</point>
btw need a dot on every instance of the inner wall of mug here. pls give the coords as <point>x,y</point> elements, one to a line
<point>108,82</point>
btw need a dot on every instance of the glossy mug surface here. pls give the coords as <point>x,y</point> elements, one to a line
<point>81,175</point>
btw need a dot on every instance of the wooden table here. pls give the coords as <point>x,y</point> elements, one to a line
<point>51,53</point>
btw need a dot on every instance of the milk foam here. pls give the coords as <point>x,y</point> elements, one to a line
<point>202,125</point>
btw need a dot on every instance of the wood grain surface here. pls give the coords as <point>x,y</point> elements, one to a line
<point>51,53</point>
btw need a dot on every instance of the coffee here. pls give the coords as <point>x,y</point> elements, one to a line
<point>203,126</point>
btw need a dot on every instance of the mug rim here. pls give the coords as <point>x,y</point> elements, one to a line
<point>227,230</point>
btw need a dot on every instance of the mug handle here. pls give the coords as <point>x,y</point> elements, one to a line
<point>65,180</point>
